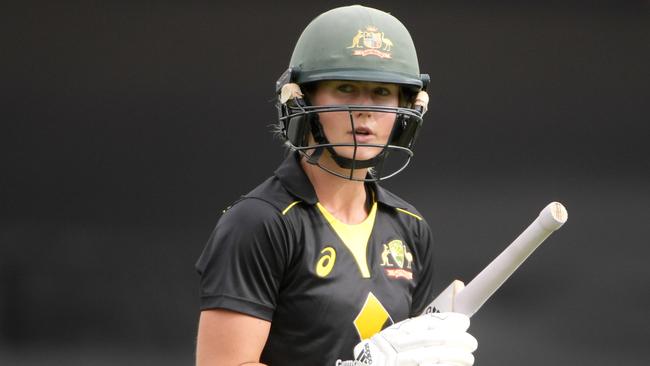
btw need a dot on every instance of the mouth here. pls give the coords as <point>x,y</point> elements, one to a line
<point>362,133</point>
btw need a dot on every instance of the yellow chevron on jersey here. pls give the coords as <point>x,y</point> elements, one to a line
<point>355,237</point>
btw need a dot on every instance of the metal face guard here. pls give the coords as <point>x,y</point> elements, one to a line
<point>299,120</point>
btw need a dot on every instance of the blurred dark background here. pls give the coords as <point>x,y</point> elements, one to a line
<point>128,126</point>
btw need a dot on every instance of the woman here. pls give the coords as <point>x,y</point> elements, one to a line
<point>320,258</point>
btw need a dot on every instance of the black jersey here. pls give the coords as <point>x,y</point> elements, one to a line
<point>278,255</point>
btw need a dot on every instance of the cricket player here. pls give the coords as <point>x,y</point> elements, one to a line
<point>319,265</point>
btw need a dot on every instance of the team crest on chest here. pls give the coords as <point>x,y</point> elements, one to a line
<point>397,260</point>
<point>371,42</point>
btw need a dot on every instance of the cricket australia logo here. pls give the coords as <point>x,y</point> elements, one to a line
<point>371,41</point>
<point>397,260</point>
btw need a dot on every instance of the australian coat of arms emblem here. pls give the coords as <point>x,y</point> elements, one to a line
<point>371,41</point>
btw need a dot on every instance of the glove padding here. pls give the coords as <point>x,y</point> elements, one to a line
<point>430,339</point>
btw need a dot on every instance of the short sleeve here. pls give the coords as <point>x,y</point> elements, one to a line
<point>424,291</point>
<point>243,262</point>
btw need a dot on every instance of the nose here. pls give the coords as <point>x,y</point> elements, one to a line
<point>365,97</point>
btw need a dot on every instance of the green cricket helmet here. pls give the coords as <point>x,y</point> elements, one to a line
<point>353,43</point>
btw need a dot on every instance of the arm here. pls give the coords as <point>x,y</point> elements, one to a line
<point>241,268</point>
<point>228,338</point>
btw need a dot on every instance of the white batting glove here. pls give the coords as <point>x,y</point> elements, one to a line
<point>430,339</point>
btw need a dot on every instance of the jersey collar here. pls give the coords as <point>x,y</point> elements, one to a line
<point>294,180</point>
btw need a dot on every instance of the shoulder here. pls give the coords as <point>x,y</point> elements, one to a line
<point>399,205</point>
<point>268,198</point>
<point>252,224</point>
<point>273,193</point>
<point>405,215</point>
<point>265,204</point>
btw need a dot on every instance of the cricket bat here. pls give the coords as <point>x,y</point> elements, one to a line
<point>468,299</point>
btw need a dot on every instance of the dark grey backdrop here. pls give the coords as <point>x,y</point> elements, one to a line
<point>128,126</point>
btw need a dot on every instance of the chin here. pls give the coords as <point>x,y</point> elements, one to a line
<point>363,153</point>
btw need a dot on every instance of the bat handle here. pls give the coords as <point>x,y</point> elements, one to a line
<point>469,299</point>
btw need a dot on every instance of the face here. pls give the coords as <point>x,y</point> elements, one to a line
<point>369,127</point>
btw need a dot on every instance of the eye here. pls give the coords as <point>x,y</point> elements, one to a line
<point>381,91</point>
<point>345,88</point>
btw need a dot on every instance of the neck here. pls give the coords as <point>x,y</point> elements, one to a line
<point>344,199</point>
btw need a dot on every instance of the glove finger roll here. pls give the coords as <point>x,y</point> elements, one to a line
<point>434,321</point>
<point>441,356</point>
<point>430,338</point>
